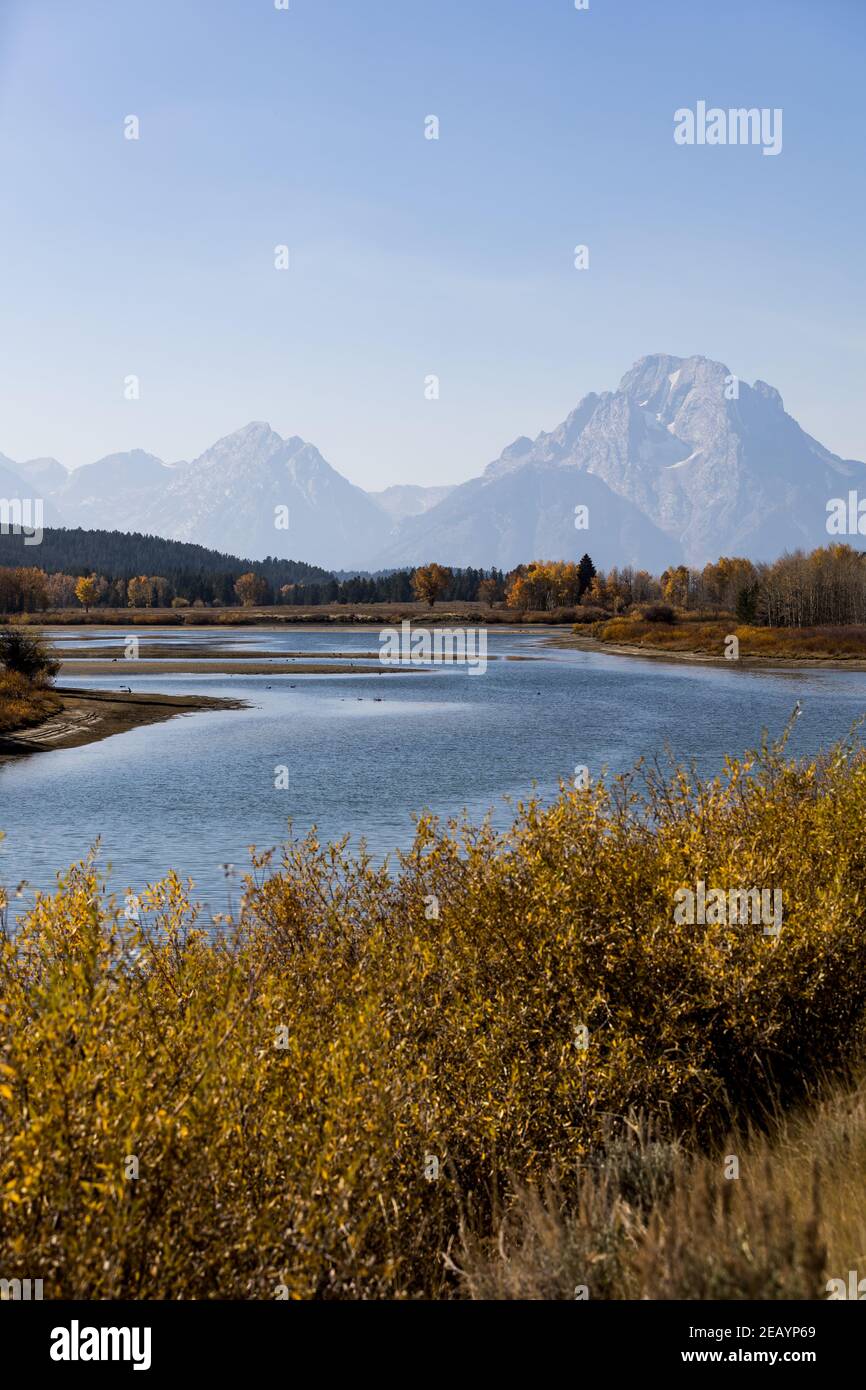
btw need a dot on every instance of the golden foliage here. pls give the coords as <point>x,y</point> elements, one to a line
<point>544,584</point>
<point>87,590</point>
<point>429,582</point>
<point>284,1080</point>
<point>24,703</point>
<point>692,633</point>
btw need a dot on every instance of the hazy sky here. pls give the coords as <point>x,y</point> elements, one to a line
<point>410,256</point>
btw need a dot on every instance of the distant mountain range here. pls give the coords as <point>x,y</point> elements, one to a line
<point>681,463</point>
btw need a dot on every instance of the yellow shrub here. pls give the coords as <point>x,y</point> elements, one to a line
<point>316,1096</point>
<point>23,702</point>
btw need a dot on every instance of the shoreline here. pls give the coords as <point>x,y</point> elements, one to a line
<point>207,657</point>
<point>142,620</point>
<point>574,642</point>
<point>216,666</point>
<point>88,716</point>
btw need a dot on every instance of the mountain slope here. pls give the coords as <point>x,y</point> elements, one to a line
<point>45,475</point>
<point>406,499</point>
<point>15,486</point>
<point>716,467</point>
<point>529,513</point>
<point>112,493</point>
<point>229,496</point>
<point>125,554</point>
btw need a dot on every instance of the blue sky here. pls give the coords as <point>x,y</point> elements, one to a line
<point>408,256</point>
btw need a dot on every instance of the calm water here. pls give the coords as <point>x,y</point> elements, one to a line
<point>365,752</point>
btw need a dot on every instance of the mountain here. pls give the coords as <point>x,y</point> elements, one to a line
<point>406,499</point>
<point>680,456</point>
<point>681,462</point>
<point>723,475</point>
<point>529,512</point>
<point>16,485</point>
<point>44,475</point>
<point>112,493</point>
<point>10,479</point>
<point>229,498</point>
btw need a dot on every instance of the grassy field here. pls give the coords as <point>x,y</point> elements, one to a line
<point>500,1066</point>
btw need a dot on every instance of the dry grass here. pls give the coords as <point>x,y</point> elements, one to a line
<point>658,1222</point>
<point>280,615</point>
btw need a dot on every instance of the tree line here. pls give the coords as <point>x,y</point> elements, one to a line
<point>824,587</point>
<point>190,572</point>
<point>427,583</point>
<point>28,588</point>
<point>827,586</point>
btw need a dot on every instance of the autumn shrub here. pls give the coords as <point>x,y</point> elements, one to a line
<point>695,633</point>
<point>589,614</point>
<point>659,613</point>
<point>26,654</point>
<point>26,670</point>
<point>331,1094</point>
<point>697,1230</point>
<point>155,617</point>
<point>24,703</point>
<point>786,1221</point>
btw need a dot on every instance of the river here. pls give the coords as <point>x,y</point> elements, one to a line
<point>362,753</point>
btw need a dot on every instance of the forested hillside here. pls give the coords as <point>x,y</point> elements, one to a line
<point>121,555</point>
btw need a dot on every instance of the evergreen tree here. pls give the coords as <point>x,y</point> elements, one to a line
<point>585,574</point>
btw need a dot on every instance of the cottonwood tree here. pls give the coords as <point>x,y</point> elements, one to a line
<point>87,591</point>
<point>251,589</point>
<point>429,582</point>
<point>139,593</point>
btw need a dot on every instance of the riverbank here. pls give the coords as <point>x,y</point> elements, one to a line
<point>85,716</point>
<point>697,655</point>
<point>182,665</point>
<point>24,703</point>
<point>690,638</point>
<point>326,617</point>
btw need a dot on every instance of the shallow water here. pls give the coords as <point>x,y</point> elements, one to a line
<point>363,753</point>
